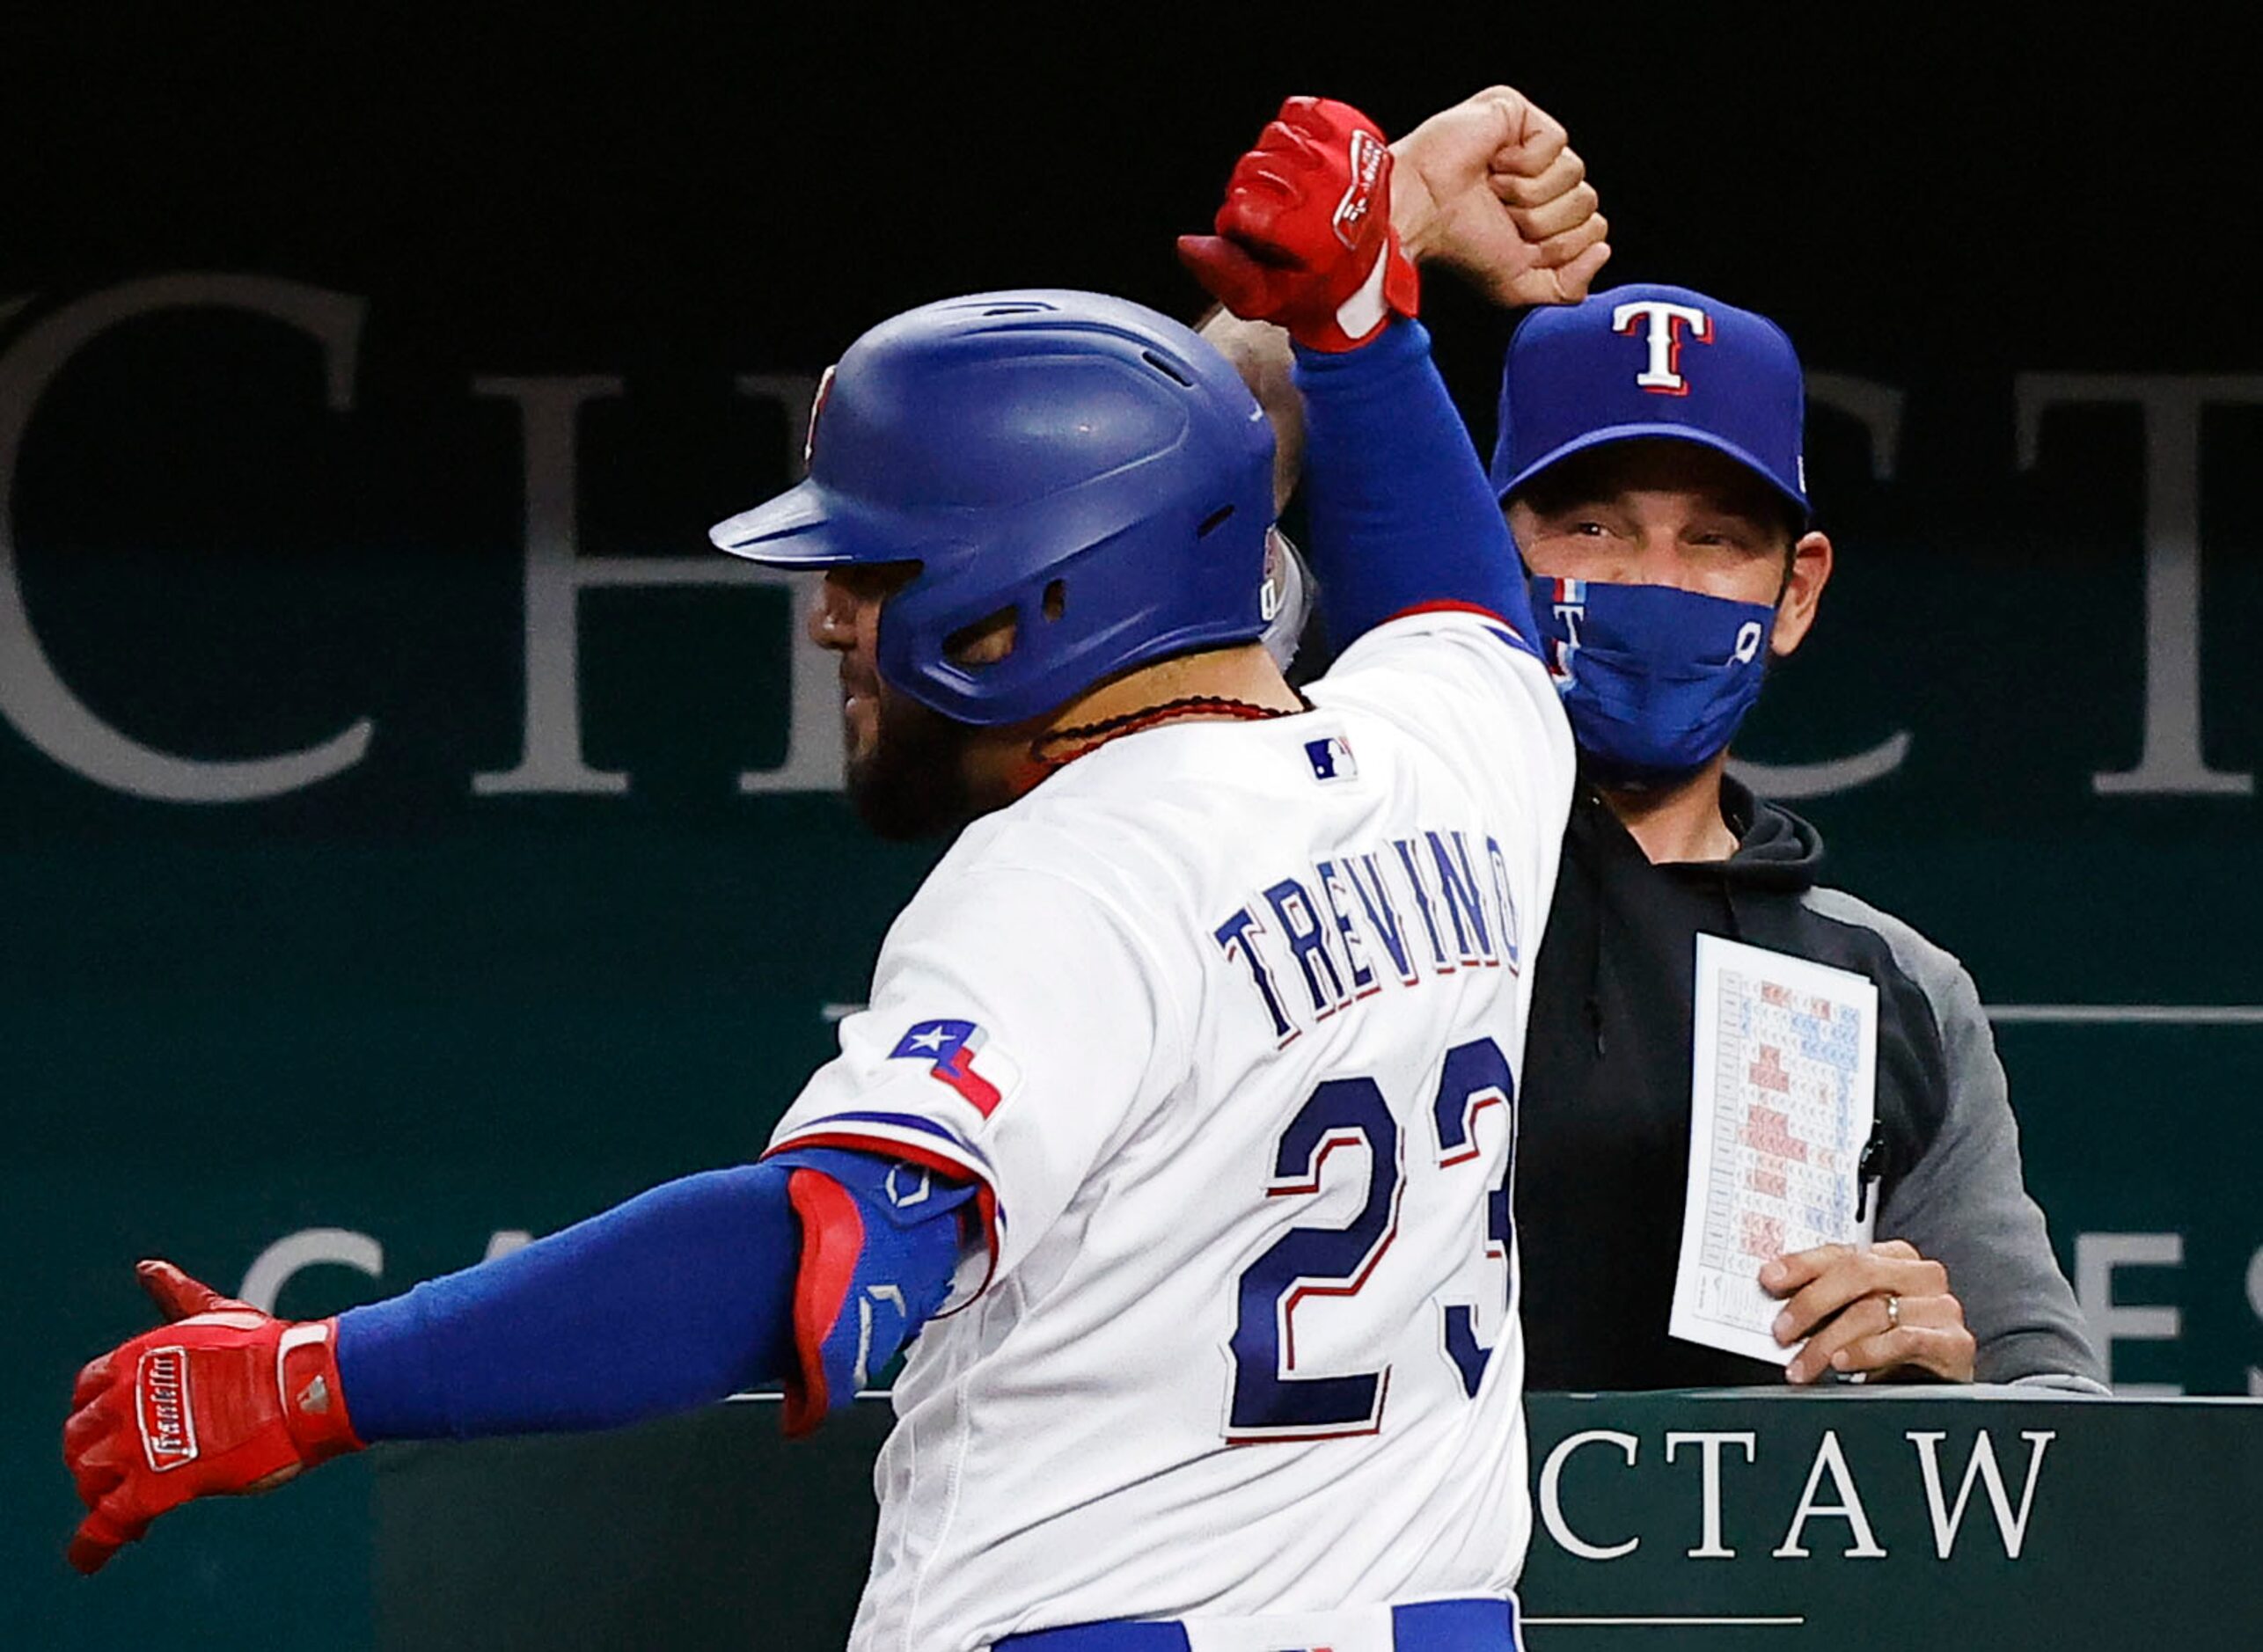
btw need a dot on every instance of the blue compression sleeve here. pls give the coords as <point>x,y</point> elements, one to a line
<point>1400,512</point>
<point>677,1298</point>
<point>681,1295</point>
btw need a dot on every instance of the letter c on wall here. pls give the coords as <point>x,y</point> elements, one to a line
<point>32,695</point>
<point>273,1267</point>
<point>1551,1506</point>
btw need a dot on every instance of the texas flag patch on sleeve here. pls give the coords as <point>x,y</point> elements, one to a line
<point>960,1055</point>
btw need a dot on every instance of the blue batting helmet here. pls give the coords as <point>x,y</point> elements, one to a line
<point>1080,460</point>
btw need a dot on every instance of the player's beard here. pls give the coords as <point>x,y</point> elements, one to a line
<point>914,782</point>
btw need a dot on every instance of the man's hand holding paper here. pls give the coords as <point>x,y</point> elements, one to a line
<point>1871,1308</point>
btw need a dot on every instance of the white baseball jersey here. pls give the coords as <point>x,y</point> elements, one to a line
<point>1226,1017</point>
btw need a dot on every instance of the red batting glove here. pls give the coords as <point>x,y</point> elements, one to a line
<point>1305,236</point>
<point>224,1399</point>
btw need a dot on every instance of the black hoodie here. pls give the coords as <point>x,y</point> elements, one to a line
<point>1603,1133</point>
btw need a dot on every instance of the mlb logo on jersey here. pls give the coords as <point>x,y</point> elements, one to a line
<point>1331,758</point>
<point>951,1048</point>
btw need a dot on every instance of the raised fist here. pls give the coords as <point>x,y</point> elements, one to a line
<point>1303,237</point>
<point>222,1399</point>
<point>1493,188</point>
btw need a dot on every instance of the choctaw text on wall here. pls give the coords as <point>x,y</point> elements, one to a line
<point>38,701</point>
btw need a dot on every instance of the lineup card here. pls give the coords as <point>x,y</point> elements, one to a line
<point>1782,1088</point>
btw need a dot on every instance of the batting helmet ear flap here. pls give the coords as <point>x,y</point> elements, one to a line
<point>1087,462</point>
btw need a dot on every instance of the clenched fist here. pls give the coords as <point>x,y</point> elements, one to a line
<point>1492,188</point>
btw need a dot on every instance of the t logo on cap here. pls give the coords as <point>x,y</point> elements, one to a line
<point>1571,382</point>
<point>1663,375</point>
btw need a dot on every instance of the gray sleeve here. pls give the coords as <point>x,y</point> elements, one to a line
<point>1965,1204</point>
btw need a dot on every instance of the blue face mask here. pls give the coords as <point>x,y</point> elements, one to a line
<point>1654,679</point>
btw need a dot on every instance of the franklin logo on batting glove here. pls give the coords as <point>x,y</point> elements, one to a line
<point>168,1422</point>
<point>1368,154</point>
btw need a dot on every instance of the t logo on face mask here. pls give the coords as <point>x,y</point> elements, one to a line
<point>1749,641</point>
<point>1567,600</point>
<point>1662,376</point>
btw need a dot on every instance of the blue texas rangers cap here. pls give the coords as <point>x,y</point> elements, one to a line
<point>1643,361</point>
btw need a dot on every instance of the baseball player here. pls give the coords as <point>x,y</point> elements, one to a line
<point>1179,1126</point>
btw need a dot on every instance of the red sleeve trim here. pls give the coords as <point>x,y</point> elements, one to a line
<point>1447,605</point>
<point>986,1197</point>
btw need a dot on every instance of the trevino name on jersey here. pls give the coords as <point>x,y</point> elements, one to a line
<point>1226,1016</point>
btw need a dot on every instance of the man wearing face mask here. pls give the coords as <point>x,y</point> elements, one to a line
<point>1649,464</point>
